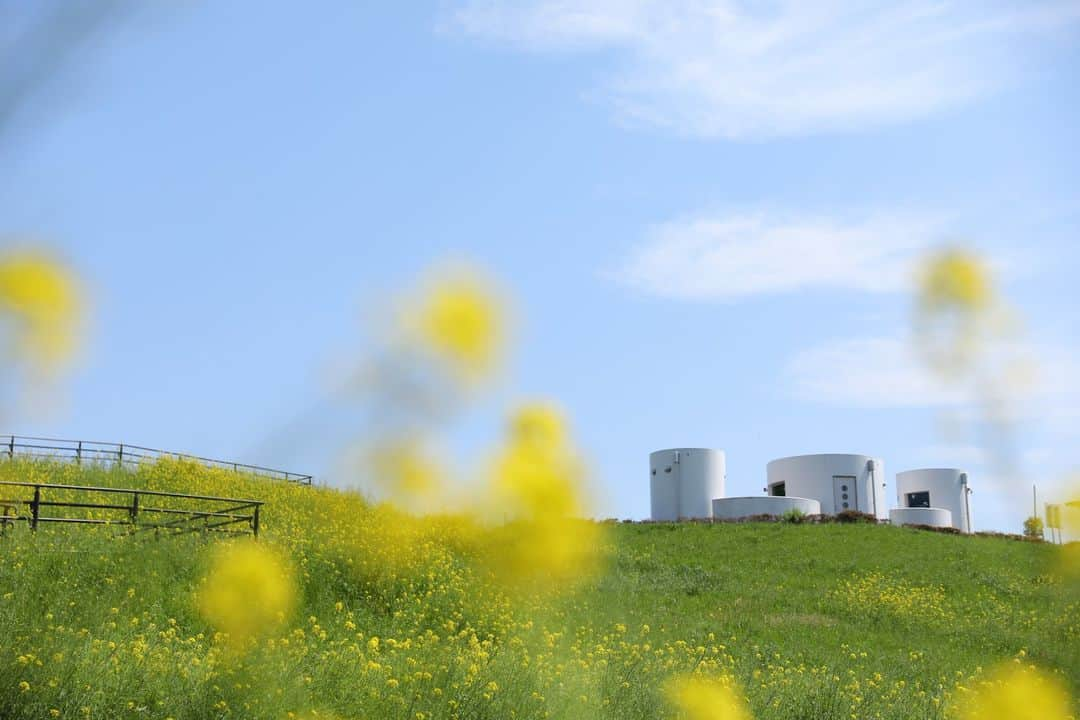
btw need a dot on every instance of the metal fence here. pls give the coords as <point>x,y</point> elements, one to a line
<point>80,451</point>
<point>137,509</point>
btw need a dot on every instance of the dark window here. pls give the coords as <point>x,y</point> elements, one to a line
<point>918,499</point>
<point>778,490</point>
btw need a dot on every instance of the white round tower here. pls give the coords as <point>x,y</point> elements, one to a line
<point>837,481</point>
<point>684,481</point>
<point>945,488</point>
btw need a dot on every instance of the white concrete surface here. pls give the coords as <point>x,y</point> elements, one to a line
<point>932,516</point>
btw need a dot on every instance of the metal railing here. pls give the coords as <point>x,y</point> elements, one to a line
<point>81,451</point>
<point>138,509</point>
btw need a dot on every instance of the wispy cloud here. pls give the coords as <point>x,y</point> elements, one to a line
<point>725,257</point>
<point>725,68</point>
<point>876,372</point>
<point>886,372</point>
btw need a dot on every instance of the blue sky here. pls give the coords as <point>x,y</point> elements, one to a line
<point>707,214</point>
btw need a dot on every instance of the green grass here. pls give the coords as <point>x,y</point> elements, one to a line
<point>814,621</point>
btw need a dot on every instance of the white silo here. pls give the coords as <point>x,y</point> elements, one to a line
<point>838,481</point>
<point>684,481</point>
<point>945,488</point>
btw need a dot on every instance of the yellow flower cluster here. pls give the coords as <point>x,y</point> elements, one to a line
<point>42,298</point>
<point>878,593</point>
<point>460,318</point>
<point>701,698</point>
<point>537,485</point>
<point>955,280</point>
<point>248,591</point>
<point>1016,692</point>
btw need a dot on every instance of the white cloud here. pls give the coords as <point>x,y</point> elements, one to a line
<point>725,68</point>
<point>728,257</point>
<point>868,372</point>
<point>885,372</point>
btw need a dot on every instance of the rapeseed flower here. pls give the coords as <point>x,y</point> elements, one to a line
<point>1017,692</point>
<point>249,590</point>
<point>955,280</point>
<point>407,474</point>
<point>704,698</point>
<point>538,487</point>
<point>42,298</point>
<point>459,318</point>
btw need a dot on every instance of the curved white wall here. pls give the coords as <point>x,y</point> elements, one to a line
<point>947,487</point>
<point>734,508</point>
<point>827,478</point>
<point>932,516</point>
<point>684,481</point>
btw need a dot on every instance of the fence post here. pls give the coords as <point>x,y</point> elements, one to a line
<point>255,521</point>
<point>134,507</point>
<point>120,456</point>
<point>78,454</point>
<point>11,448</point>
<point>34,506</point>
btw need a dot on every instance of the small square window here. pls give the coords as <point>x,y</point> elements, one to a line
<point>918,499</point>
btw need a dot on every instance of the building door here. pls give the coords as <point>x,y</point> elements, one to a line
<point>844,493</point>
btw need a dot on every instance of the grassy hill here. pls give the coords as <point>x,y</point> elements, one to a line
<point>401,617</point>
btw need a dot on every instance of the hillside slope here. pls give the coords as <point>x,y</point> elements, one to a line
<point>401,617</point>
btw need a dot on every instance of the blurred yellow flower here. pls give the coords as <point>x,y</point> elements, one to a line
<point>537,476</point>
<point>538,485</point>
<point>248,591</point>
<point>1069,516</point>
<point>538,425</point>
<point>460,319</point>
<point>1017,692</point>
<point>701,698</point>
<point>405,473</point>
<point>43,298</point>
<point>955,279</point>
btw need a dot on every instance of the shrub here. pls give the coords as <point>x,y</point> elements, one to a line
<point>854,516</point>
<point>1033,527</point>
<point>794,516</point>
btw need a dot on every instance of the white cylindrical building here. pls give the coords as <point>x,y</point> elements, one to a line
<point>684,481</point>
<point>945,488</point>
<point>838,481</point>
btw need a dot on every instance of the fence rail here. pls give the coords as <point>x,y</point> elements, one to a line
<point>81,451</point>
<point>138,509</point>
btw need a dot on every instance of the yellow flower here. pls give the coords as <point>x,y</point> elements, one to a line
<point>537,475</point>
<point>1016,692</point>
<point>42,296</point>
<point>538,425</point>
<point>248,591</point>
<point>537,486</point>
<point>405,472</point>
<point>700,698</point>
<point>460,320</point>
<point>955,279</point>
